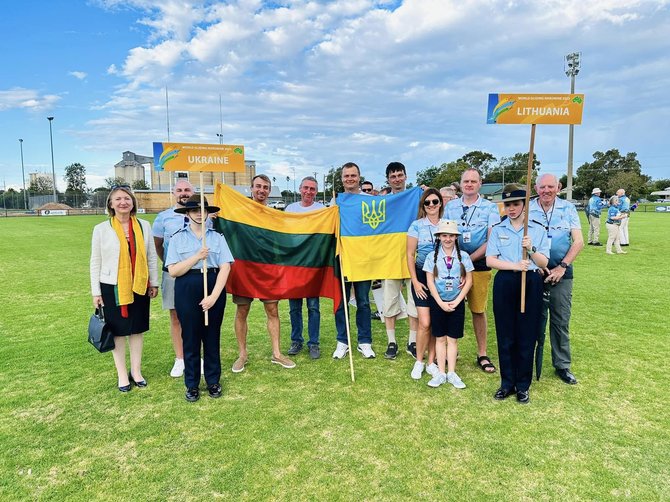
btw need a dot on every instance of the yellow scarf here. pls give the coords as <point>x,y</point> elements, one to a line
<point>127,284</point>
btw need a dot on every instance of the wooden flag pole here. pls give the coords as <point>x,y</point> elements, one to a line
<point>525,217</point>
<point>203,230</point>
<point>345,305</point>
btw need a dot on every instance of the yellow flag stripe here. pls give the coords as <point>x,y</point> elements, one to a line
<point>375,257</point>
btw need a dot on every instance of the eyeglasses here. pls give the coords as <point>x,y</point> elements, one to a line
<point>434,202</point>
<point>114,187</point>
<point>366,190</point>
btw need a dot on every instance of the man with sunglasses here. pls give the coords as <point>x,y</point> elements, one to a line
<point>351,177</point>
<point>367,187</point>
<point>476,216</point>
<point>166,224</point>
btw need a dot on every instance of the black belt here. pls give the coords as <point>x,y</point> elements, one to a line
<point>199,271</point>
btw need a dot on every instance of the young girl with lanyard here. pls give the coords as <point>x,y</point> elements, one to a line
<point>516,331</point>
<point>185,262</point>
<point>449,277</point>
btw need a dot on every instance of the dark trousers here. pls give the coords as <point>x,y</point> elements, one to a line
<point>516,332</point>
<point>194,333</point>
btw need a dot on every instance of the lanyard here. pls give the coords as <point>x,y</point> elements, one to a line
<point>448,261</point>
<point>465,212</point>
<point>548,218</point>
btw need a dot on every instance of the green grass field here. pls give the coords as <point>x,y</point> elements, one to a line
<point>67,433</point>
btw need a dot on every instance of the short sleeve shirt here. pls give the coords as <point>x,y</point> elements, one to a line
<point>168,223</point>
<point>474,222</point>
<point>185,244</point>
<point>297,207</point>
<point>423,231</point>
<point>611,213</point>
<point>448,278</point>
<point>559,222</point>
<point>624,204</point>
<point>505,242</point>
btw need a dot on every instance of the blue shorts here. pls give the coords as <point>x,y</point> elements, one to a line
<point>449,324</point>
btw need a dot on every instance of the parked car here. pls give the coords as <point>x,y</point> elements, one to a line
<point>280,204</point>
<point>577,203</point>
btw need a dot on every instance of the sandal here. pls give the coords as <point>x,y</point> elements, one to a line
<point>485,367</point>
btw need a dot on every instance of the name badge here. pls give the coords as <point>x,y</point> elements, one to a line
<point>467,237</point>
<point>549,239</point>
<point>449,285</point>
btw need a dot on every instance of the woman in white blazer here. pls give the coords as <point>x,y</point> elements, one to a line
<point>124,276</point>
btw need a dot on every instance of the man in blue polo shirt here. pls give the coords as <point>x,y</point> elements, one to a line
<point>565,241</point>
<point>593,209</point>
<point>475,216</point>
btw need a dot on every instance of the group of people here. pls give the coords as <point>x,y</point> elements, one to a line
<point>452,246</point>
<point>618,213</point>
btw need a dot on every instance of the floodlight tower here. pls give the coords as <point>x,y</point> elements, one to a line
<point>572,65</point>
<point>23,178</point>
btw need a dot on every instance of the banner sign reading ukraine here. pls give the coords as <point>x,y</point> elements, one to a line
<point>535,109</point>
<point>278,255</point>
<point>373,234</point>
<point>198,157</point>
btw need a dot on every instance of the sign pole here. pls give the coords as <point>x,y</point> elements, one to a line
<point>526,211</point>
<point>203,230</point>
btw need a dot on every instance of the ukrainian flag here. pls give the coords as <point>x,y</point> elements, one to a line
<point>373,234</point>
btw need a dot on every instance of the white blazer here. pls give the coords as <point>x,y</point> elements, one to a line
<point>105,248</point>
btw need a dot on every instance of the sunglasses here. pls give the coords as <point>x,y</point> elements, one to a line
<point>114,187</point>
<point>366,190</point>
<point>431,202</point>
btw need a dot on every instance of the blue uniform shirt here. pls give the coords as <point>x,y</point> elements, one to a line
<point>474,222</point>
<point>559,221</point>
<point>596,204</point>
<point>185,244</point>
<point>168,223</point>
<point>447,280</point>
<point>422,230</point>
<point>505,242</point>
<point>611,212</point>
<point>624,204</point>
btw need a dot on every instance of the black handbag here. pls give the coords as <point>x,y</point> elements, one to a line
<point>100,335</point>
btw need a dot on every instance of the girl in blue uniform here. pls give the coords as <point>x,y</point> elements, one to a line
<point>185,262</point>
<point>516,332</point>
<point>449,278</point>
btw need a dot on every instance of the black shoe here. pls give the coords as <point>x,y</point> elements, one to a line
<point>192,395</point>
<point>596,244</point>
<point>503,393</point>
<point>590,243</point>
<point>391,351</point>
<point>141,383</point>
<point>125,388</point>
<point>565,375</point>
<point>411,349</point>
<point>624,245</point>
<point>523,397</point>
<point>376,315</point>
<point>314,351</point>
<point>214,391</point>
<point>296,347</point>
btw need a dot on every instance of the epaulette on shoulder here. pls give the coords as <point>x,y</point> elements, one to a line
<point>539,223</point>
<point>501,220</point>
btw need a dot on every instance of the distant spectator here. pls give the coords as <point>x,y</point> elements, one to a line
<point>367,187</point>
<point>447,193</point>
<point>614,218</point>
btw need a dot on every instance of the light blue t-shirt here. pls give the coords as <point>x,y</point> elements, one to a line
<point>474,222</point>
<point>505,242</point>
<point>448,278</point>
<point>624,204</point>
<point>423,231</point>
<point>612,212</point>
<point>596,204</point>
<point>185,244</point>
<point>297,207</point>
<point>559,222</point>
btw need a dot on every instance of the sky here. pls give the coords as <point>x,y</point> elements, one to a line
<point>309,85</point>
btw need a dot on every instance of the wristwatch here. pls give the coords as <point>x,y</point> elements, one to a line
<point>533,250</point>
<point>563,264</point>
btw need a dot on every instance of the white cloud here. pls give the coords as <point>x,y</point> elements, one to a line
<point>81,75</point>
<point>27,99</point>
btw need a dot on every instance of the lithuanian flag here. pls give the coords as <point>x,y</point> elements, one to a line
<point>278,255</point>
<point>373,234</point>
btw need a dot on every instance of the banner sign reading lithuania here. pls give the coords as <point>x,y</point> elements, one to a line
<point>198,157</point>
<point>535,109</point>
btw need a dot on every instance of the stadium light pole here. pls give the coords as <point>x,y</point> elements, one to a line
<point>23,177</point>
<point>572,65</point>
<point>53,168</point>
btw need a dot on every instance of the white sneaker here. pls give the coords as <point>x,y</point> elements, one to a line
<point>341,350</point>
<point>432,369</point>
<point>178,368</point>
<point>417,370</point>
<point>455,380</point>
<point>366,350</point>
<point>437,380</point>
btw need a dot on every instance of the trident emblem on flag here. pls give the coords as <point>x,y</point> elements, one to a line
<point>374,216</point>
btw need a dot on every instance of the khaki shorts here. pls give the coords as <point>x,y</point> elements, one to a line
<point>479,292</point>
<point>392,289</point>
<point>244,300</point>
<point>167,291</point>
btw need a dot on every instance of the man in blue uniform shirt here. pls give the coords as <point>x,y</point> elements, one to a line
<point>565,237</point>
<point>593,209</point>
<point>475,216</point>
